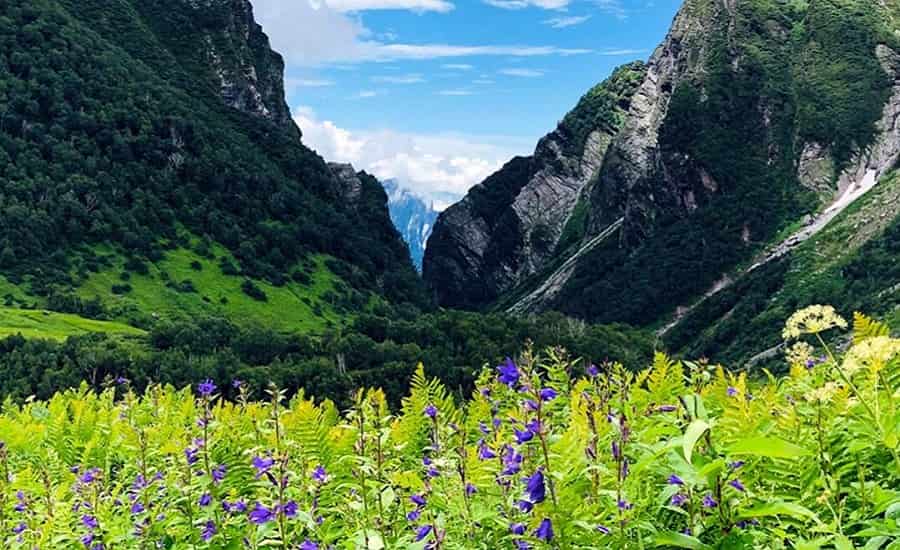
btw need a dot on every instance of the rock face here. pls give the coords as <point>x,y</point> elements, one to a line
<point>749,118</point>
<point>412,217</point>
<point>509,227</point>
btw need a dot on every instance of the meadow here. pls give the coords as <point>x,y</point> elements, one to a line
<point>547,453</point>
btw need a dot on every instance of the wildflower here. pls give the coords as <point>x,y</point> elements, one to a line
<point>205,499</point>
<point>616,450</point>
<point>544,531</point>
<point>432,472</point>
<point>736,483</point>
<point>289,509</point>
<point>534,426</point>
<point>732,391</point>
<point>470,489</point>
<point>414,515</point>
<point>547,394</point>
<point>236,384</point>
<point>737,464</point>
<point>531,405</point>
<point>137,508</point>
<point>517,528</point>
<point>262,465</point>
<point>824,394</point>
<point>624,504</point>
<point>260,514</point>
<point>525,506</point>
<point>485,452</point>
<point>512,461</point>
<point>592,370</point>
<point>523,436</point>
<point>483,428</point>
<point>218,473</point>
<point>535,487</point>
<point>509,373</point>
<point>678,499</point>
<point>121,380</point>
<point>666,408</point>
<point>319,474</point>
<point>603,530</point>
<point>709,501</point>
<point>209,531</point>
<point>90,522</point>
<point>812,320</point>
<point>431,411</point>
<point>418,500</point>
<point>422,532</point>
<point>872,353</point>
<point>309,545</point>
<point>675,480</point>
<point>522,545</point>
<point>206,388</point>
<point>87,540</point>
<point>191,455</point>
<point>800,353</point>
<point>20,528</point>
<point>236,507</point>
<point>90,476</point>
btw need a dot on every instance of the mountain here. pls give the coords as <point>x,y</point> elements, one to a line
<point>149,167</point>
<point>756,134</point>
<point>412,217</point>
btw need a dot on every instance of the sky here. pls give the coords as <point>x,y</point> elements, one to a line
<point>439,94</point>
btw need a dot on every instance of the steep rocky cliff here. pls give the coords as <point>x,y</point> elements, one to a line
<point>509,227</point>
<point>753,126</point>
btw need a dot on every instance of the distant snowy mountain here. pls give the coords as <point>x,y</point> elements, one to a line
<point>412,217</point>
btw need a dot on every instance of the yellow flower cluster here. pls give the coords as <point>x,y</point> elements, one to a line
<point>824,394</point>
<point>871,353</point>
<point>798,354</point>
<point>812,320</point>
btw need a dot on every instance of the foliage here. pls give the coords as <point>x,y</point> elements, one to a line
<point>56,326</point>
<point>545,454</point>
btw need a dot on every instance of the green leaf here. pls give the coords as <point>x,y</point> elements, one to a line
<point>771,447</point>
<point>694,431</point>
<point>779,508</point>
<point>678,540</point>
<point>842,543</point>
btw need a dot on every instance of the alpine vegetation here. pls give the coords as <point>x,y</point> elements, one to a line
<point>547,453</point>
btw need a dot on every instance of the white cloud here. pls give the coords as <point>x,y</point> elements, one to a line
<point>411,5</point>
<point>365,94</point>
<point>524,73</point>
<point>307,83</point>
<point>457,66</point>
<point>623,51</point>
<point>439,167</point>
<point>399,79</point>
<point>567,21</point>
<point>312,34</point>
<point>482,81</point>
<point>521,4</point>
<point>455,92</point>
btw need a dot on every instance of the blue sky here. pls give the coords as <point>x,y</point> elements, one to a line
<point>439,93</point>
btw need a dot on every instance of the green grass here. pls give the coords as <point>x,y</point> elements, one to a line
<point>292,307</point>
<point>32,323</point>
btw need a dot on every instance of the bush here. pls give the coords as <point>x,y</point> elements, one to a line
<point>250,289</point>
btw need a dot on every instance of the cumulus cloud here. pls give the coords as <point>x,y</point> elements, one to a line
<point>439,167</point>
<point>311,34</point>
<point>567,21</point>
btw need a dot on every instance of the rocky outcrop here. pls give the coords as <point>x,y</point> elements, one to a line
<point>511,226</point>
<point>348,182</point>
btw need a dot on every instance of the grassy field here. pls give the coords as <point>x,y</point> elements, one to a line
<point>165,292</point>
<point>56,326</point>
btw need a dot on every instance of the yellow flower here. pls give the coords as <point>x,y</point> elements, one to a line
<point>812,320</point>
<point>824,394</point>
<point>872,353</point>
<point>798,354</point>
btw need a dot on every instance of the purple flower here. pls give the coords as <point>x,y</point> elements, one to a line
<point>422,532</point>
<point>289,509</point>
<point>121,380</point>
<point>603,530</point>
<point>678,499</point>
<point>509,373</point>
<point>236,507</point>
<point>547,394</point>
<point>517,528</point>
<point>209,531</point>
<point>90,475</point>
<point>675,480</point>
<point>137,508</point>
<point>732,391</point>
<point>523,436</point>
<point>470,489</point>
<point>236,384</point>
<point>191,454</point>
<point>90,522</point>
<point>709,501</point>
<point>624,504</point>
<point>616,450</point>
<point>736,483</point>
<point>206,388</point>
<point>218,473</point>
<point>534,426</point>
<point>431,411</point>
<point>592,370</point>
<point>525,505</point>
<point>19,528</point>
<point>531,405</point>
<point>260,514</point>
<point>667,408</point>
<point>512,461</point>
<point>535,487</point>
<point>418,500</point>
<point>544,531</point>
<point>205,499</point>
<point>485,452</point>
<point>319,474</point>
<point>483,428</point>
<point>87,539</point>
<point>737,464</point>
<point>309,545</point>
<point>414,515</point>
<point>262,465</point>
<point>522,545</point>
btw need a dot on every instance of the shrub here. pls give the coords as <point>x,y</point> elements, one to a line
<point>250,289</point>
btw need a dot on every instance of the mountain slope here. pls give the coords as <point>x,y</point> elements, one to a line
<point>412,217</point>
<point>135,131</point>
<point>751,117</point>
